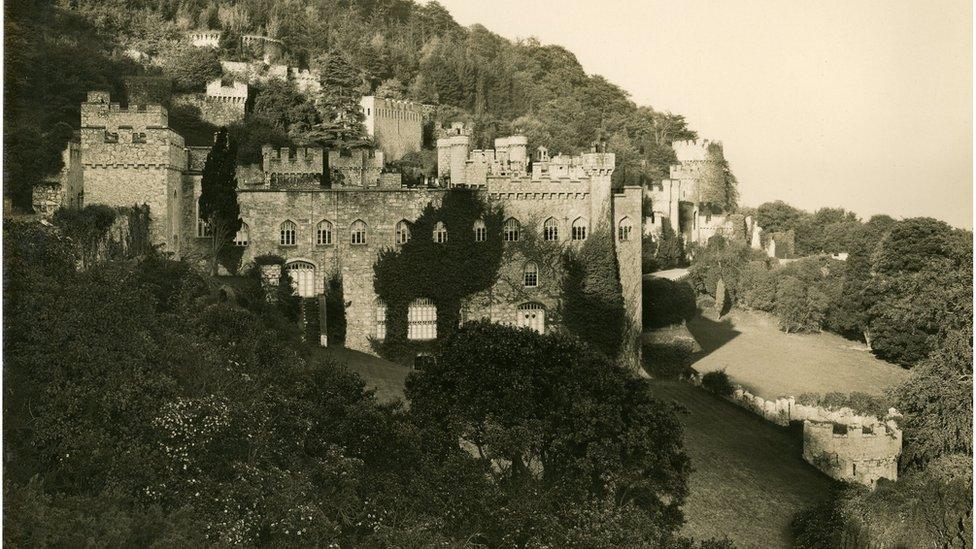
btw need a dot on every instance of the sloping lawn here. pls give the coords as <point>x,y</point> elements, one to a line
<point>749,477</point>
<point>771,363</point>
<point>385,377</point>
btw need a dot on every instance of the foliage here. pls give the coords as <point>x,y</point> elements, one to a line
<point>548,415</point>
<point>669,360</point>
<point>860,403</point>
<point>218,197</point>
<point>335,309</point>
<point>724,260</point>
<point>799,308</point>
<point>191,68</point>
<point>928,508</point>
<point>779,216</point>
<point>444,272</point>
<point>717,381</point>
<point>667,302</point>
<point>937,404</point>
<point>670,251</point>
<point>593,295</point>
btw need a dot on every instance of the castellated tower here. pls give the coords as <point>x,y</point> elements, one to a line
<point>129,156</point>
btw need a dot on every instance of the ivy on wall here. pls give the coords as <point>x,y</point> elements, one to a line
<point>102,233</point>
<point>335,309</point>
<point>445,273</point>
<point>593,303</point>
<point>548,257</point>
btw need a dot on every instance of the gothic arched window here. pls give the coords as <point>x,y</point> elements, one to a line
<point>480,231</point>
<point>323,233</point>
<point>550,230</point>
<point>289,232</point>
<point>512,230</point>
<point>402,233</point>
<point>440,233</point>
<point>624,227</point>
<point>357,232</point>
<point>579,229</point>
<point>422,320</point>
<point>243,235</point>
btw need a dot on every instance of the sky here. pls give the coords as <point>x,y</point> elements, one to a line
<point>861,104</point>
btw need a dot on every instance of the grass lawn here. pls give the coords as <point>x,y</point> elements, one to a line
<point>750,348</point>
<point>381,375</point>
<point>749,477</point>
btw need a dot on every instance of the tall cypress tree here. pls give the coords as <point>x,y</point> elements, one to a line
<point>218,197</point>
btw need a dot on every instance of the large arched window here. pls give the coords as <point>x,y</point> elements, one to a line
<point>289,232</point>
<point>480,231</point>
<point>380,320</point>
<point>624,229</point>
<point>530,275</point>
<point>303,276</point>
<point>512,230</point>
<point>550,230</point>
<point>422,320</point>
<point>402,233</point>
<point>579,229</point>
<point>357,232</point>
<point>531,315</point>
<point>440,233</point>
<point>243,235</point>
<point>323,233</point>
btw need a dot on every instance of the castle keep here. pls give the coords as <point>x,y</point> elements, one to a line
<point>130,156</point>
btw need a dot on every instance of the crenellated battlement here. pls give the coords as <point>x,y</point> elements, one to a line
<point>859,452</point>
<point>303,160</point>
<point>100,112</point>
<point>235,92</point>
<point>697,150</point>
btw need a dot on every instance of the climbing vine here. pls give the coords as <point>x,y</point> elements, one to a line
<point>444,272</point>
<point>102,233</point>
<point>593,306</point>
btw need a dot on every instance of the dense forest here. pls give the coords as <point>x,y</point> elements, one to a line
<point>56,51</point>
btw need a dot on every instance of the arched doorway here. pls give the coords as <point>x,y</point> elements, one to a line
<point>531,315</point>
<point>303,276</point>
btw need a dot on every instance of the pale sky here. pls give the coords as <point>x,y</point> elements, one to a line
<point>865,104</point>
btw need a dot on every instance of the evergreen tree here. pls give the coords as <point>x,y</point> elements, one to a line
<point>218,197</point>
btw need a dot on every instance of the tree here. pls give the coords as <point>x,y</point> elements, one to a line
<point>593,295</point>
<point>779,216</point>
<point>192,68</point>
<point>548,415</point>
<point>218,197</point>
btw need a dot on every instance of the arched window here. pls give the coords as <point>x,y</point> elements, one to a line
<point>480,231</point>
<point>623,229</point>
<point>380,320</point>
<point>531,315</point>
<point>323,233</point>
<point>422,320</point>
<point>288,233</point>
<point>579,229</point>
<point>243,235</point>
<point>357,232</point>
<point>303,276</point>
<point>402,233</point>
<point>512,230</point>
<point>530,275</point>
<point>550,230</point>
<point>440,233</point>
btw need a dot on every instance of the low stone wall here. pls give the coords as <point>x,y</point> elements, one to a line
<point>840,442</point>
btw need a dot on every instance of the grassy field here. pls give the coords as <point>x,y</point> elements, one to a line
<point>383,376</point>
<point>770,363</point>
<point>749,477</point>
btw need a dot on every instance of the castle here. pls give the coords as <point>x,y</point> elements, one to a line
<point>127,156</point>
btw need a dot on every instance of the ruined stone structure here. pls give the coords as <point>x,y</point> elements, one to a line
<point>853,452</point>
<point>267,49</point>
<point>130,156</point>
<point>205,38</point>
<point>395,125</point>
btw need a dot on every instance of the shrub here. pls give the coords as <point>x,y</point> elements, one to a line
<point>192,68</point>
<point>670,360</point>
<point>668,302</point>
<point>718,382</point>
<point>861,403</point>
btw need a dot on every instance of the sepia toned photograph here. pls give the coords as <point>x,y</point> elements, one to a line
<point>487,274</point>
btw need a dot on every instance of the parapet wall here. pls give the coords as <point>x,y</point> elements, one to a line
<point>858,453</point>
<point>100,112</point>
<point>698,150</point>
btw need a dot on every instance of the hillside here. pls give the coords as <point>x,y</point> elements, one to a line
<point>397,48</point>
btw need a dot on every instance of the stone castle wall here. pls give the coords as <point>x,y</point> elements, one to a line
<point>857,453</point>
<point>395,125</point>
